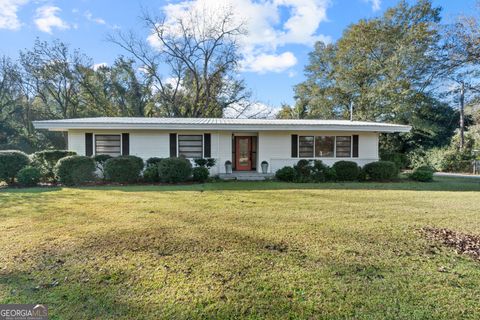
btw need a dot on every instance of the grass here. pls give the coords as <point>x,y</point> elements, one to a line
<point>241,250</point>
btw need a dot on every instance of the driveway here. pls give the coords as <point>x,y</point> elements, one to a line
<point>457,175</point>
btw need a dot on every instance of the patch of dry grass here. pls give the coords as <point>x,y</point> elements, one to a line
<point>240,250</point>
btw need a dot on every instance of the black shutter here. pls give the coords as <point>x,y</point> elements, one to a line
<point>173,145</point>
<point>355,146</point>
<point>125,144</point>
<point>294,146</point>
<point>207,147</point>
<point>88,144</point>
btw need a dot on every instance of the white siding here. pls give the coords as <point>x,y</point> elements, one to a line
<point>76,141</point>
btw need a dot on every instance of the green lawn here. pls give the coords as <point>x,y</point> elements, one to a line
<point>241,250</point>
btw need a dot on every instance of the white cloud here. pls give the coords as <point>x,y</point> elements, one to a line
<point>271,24</point>
<point>8,14</point>
<point>375,4</point>
<point>47,19</point>
<point>263,63</point>
<point>91,18</point>
<point>96,66</point>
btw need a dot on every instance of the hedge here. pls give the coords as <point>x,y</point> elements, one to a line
<point>174,170</point>
<point>346,170</point>
<point>422,175</point>
<point>74,170</point>
<point>286,174</point>
<point>29,176</point>
<point>151,174</point>
<point>381,171</point>
<point>200,174</point>
<point>47,159</point>
<point>123,169</point>
<point>11,162</point>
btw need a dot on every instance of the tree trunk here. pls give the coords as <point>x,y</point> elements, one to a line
<point>462,115</point>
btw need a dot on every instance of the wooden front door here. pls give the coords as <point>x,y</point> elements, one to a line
<point>243,153</point>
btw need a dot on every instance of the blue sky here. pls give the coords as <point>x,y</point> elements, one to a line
<point>281,32</point>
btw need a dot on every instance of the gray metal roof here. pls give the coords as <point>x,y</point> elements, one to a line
<point>216,124</point>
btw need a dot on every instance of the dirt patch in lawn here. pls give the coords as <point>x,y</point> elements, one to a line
<point>462,243</point>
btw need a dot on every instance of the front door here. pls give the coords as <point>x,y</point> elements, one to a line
<point>243,152</point>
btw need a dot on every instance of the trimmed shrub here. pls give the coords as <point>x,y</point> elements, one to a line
<point>123,169</point>
<point>174,170</point>
<point>153,161</point>
<point>207,163</point>
<point>400,159</point>
<point>11,162</point>
<point>73,170</point>
<point>47,159</point>
<point>422,175</point>
<point>29,176</point>
<point>200,174</point>
<point>346,170</point>
<point>286,174</point>
<point>330,174</point>
<point>381,171</point>
<point>303,170</point>
<point>151,174</point>
<point>319,170</point>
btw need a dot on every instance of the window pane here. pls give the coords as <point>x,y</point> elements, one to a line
<point>324,146</point>
<point>190,146</point>
<point>344,147</point>
<point>108,144</point>
<point>305,147</point>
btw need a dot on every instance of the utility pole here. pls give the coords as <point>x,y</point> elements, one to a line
<point>462,114</point>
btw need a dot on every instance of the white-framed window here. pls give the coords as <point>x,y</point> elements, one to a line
<point>190,146</point>
<point>343,147</point>
<point>110,144</point>
<point>324,146</point>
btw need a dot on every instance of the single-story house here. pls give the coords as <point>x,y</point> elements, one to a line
<point>244,142</point>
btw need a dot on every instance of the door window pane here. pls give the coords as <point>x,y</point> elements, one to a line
<point>324,146</point>
<point>344,147</point>
<point>305,149</point>
<point>243,152</point>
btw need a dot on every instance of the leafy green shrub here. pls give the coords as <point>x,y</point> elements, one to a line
<point>319,171</point>
<point>428,168</point>
<point>200,174</point>
<point>29,176</point>
<point>174,170</point>
<point>11,162</point>
<point>422,175</point>
<point>151,174</point>
<point>47,159</point>
<point>286,174</point>
<point>400,159</point>
<point>100,160</point>
<point>303,170</point>
<point>73,170</point>
<point>123,169</point>
<point>330,174</point>
<point>381,171</point>
<point>346,170</point>
<point>207,163</point>
<point>153,161</point>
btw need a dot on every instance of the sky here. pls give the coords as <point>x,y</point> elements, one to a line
<point>281,33</point>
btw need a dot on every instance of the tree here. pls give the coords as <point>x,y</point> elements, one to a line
<point>191,61</point>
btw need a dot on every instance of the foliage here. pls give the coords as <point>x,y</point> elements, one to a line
<point>346,170</point>
<point>150,174</point>
<point>381,171</point>
<point>422,174</point>
<point>200,174</point>
<point>74,170</point>
<point>174,170</point>
<point>303,170</point>
<point>205,162</point>
<point>153,161</point>
<point>123,169</point>
<point>319,171</point>
<point>286,174</point>
<point>100,160</point>
<point>47,159</point>
<point>399,158</point>
<point>11,162</point>
<point>29,176</point>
